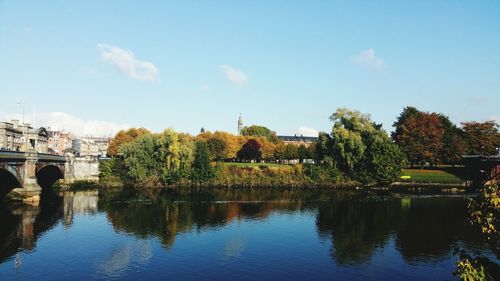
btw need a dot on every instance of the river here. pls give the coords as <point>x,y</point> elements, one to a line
<point>235,235</point>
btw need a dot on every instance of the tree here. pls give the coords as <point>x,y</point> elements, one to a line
<point>420,136</point>
<point>291,152</point>
<point>361,149</point>
<point>124,137</point>
<point>250,151</point>
<point>408,112</point>
<point>201,168</point>
<point>382,162</point>
<point>303,153</point>
<point>259,131</point>
<point>218,148</point>
<point>481,138</point>
<point>158,158</point>
<point>267,148</point>
<point>453,142</point>
<point>323,146</point>
<point>484,213</point>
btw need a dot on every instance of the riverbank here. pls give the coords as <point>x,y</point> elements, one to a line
<point>274,175</point>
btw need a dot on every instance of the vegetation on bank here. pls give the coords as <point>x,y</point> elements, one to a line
<point>484,213</point>
<point>357,150</point>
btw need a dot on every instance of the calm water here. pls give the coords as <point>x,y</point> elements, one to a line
<point>235,235</point>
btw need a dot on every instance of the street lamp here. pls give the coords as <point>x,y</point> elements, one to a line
<point>22,106</point>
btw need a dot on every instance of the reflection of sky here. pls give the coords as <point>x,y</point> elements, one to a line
<point>124,257</point>
<point>234,247</point>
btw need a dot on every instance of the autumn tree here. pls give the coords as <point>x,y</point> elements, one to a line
<point>267,147</point>
<point>420,135</point>
<point>123,137</point>
<point>481,138</point>
<point>250,151</point>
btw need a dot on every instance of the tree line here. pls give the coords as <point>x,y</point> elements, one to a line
<point>357,148</point>
<point>431,138</point>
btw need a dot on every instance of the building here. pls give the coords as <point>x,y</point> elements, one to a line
<point>298,140</point>
<point>59,141</point>
<point>90,146</point>
<point>11,136</point>
<point>22,137</point>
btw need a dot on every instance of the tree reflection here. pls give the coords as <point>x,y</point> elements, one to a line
<point>424,229</point>
<point>433,228</point>
<point>357,227</point>
<point>168,214</point>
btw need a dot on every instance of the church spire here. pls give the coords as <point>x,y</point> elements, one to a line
<point>240,124</point>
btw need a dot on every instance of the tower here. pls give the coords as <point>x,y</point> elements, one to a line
<point>240,124</point>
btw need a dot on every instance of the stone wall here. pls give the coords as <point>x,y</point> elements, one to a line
<point>82,168</point>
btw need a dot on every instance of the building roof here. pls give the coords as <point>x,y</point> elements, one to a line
<point>298,138</point>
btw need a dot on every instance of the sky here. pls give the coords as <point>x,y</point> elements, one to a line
<point>95,67</point>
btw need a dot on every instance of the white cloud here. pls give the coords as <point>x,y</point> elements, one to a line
<point>125,62</point>
<point>237,76</point>
<point>78,126</point>
<point>368,59</point>
<point>307,132</point>
<point>495,118</point>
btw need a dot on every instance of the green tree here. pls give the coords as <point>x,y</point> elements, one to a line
<point>383,161</point>
<point>453,142</point>
<point>218,148</point>
<point>201,168</point>
<point>361,149</point>
<point>259,131</point>
<point>158,159</point>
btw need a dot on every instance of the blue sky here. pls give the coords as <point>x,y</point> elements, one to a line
<point>104,65</point>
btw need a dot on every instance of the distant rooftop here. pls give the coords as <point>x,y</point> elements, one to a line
<point>298,138</point>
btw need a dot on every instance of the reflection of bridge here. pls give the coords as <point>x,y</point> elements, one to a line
<point>26,174</point>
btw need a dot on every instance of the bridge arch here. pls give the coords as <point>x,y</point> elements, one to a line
<point>47,175</point>
<point>8,181</point>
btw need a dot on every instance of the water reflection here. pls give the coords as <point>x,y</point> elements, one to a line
<point>354,225</point>
<point>424,228</point>
<point>124,256</point>
<point>21,225</point>
<point>79,202</point>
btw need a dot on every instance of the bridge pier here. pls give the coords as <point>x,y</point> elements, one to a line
<point>31,190</point>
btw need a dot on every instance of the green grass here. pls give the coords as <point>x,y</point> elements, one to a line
<point>438,176</point>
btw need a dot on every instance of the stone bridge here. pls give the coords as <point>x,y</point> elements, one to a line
<point>25,175</point>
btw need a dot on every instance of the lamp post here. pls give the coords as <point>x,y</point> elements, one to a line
<point>22,106</point>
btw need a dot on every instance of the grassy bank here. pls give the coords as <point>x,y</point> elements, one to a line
<point>443,175</point>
